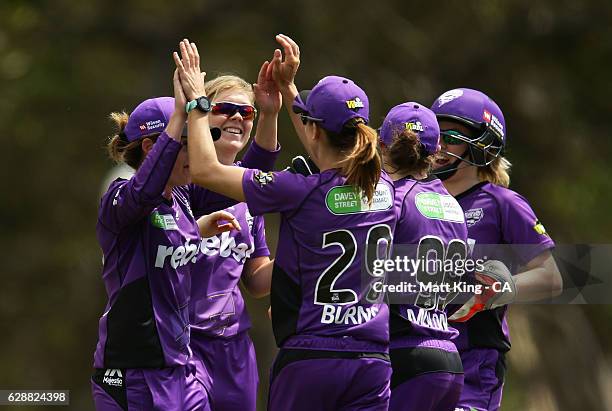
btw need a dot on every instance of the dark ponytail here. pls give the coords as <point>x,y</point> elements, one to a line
<point>407,156</point>
<point>119,149</point>
<point>362,165</point>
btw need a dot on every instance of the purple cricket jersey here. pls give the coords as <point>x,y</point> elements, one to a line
<point>432,221</point>
<point>217,306</point>
<point>149,245</point>
<point>316,292</point>
<point>497,215</point>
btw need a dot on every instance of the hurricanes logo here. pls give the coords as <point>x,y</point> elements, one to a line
<point>473,215</point>
<point>263,178</point>
<point>354,103</point>
<point>539,228</point>
<point>449,96</point>
<point>414,126</point>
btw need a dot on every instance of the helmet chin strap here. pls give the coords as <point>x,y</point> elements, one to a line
<point>446,172</point>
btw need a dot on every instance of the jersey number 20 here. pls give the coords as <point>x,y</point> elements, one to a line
<point>378,242</point>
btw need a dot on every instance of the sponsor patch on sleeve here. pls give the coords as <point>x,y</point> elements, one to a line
<point>263,178</point>
<point>539,228</point>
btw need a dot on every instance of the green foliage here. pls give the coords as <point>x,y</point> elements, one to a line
<point>64,65</point>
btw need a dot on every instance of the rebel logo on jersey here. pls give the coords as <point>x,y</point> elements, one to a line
<point>179,256</point>
<point>225,246</point>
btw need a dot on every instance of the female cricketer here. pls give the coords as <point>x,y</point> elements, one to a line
<point>333,344</point>
<point>427,371</point>
<point>503,230</point>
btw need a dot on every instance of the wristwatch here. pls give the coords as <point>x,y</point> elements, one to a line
<point>201,103</point>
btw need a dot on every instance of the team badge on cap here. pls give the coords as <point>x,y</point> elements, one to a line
<point>414,126</point>
<point>354,103</point>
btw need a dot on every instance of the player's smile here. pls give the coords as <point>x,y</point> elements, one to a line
<point>234,132</point>
<point>442,160</point>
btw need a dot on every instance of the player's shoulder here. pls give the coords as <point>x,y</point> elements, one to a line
<point>288,175</point>
<point>504,196</point>
<point>113,189</point>
<point>410,187</point>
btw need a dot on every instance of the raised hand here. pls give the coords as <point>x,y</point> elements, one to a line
<point>217,223</point>
<point>284,72</point>
<point>267,94</point>
<point>188,66</point>
<point>180,101</point>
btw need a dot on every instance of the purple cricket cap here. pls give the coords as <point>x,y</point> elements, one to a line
<point>414,117</point>
<point>150,116</point>
<point>333,101</point>
<point>471,107</point>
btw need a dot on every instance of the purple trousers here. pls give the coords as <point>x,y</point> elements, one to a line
<point>426,377</point>
<point>311,380</point>
<point>165,389</point>
<point>436,391</point>
<point>232,367</point>
<point>484,379</point>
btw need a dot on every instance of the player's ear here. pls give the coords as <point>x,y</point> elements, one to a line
<point>318,131</point>
<point>147,145</point>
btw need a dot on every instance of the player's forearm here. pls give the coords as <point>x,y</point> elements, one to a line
<point>205,169</point>
<point>289,93</point>
<point>258,280</point>
<point>539,282</point>
<point>202,155</point>
<point>176,124</point>
<point>267,131</point>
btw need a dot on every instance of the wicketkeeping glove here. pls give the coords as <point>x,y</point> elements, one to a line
<point>494,272</point>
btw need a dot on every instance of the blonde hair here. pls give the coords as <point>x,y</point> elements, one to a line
<point>228,82</point>
<point>498,172</point>
<point>119,149</point>
<point>363,165</point>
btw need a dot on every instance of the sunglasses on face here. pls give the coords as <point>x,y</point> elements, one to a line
<point>247,112</point>
<point>306,119</point>
<point>452,137</point>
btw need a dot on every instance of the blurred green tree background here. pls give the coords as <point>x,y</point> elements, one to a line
<point>64,65</point>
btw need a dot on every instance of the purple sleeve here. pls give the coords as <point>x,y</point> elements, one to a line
<point>274,192</point>
<point>522,227</point>
<point>257,157</point>
<point>204,201</point>
<point>259,238</point>
<point>128,201</point>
